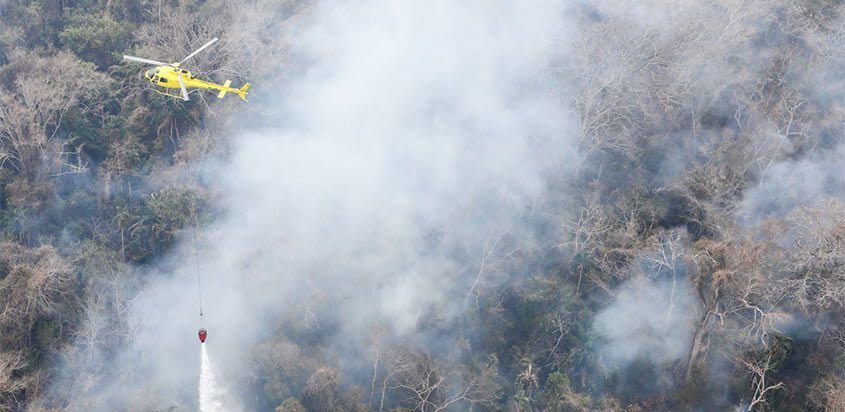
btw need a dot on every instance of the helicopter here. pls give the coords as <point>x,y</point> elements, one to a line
<point>171,76</point>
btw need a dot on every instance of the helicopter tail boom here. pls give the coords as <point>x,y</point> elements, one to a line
<point>225,88</point>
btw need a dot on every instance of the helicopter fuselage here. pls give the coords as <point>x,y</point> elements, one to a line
<point>171,76</point>
<point>166,76</point>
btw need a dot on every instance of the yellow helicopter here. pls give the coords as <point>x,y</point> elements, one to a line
<point>171,76</point>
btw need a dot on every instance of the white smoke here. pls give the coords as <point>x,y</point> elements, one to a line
<point>415,133</point>
<point>790,184</point>
<point>651,316</point>
<point>646,321</point>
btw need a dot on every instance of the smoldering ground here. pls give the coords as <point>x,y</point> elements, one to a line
<point>414,135</point>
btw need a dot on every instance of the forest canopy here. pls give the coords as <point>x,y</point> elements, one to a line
<point>524,206</point>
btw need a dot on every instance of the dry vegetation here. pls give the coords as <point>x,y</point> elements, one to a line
<point>680,118</point>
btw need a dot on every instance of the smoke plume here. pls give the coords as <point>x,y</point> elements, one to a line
<point>412,136</point>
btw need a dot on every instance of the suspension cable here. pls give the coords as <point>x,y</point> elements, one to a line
<point>197,258</point>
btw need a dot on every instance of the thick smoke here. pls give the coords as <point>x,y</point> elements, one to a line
<point>413,136</point>
<point>411,125</point>
<point>649,323</point>
<point>648,319</point>
<point>790,184</point>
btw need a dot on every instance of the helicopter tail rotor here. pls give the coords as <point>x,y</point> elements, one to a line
<point>242,91</point>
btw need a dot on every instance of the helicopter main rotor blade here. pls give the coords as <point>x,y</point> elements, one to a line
<point>148,61</point>
<point>182,86</point>
<point>198,50</point>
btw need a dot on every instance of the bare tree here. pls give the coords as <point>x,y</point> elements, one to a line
<point>740,297</point>
<point>35,285</point>
<point>828,393</point>
<point>11,386</point>
<point>817,261</point>
<point>758,368</point>
<point>494,253</point>
<point>666,261</point>
<point>38,283</point>
<point>31,115</point>
<point>321,391</point>
<point>427,385</point>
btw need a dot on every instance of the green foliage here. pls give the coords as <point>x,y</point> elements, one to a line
<point>38,21</point>
<point>97,39</point>
<point>558,395</point>
<point>73,113</point>
<point>781,350</point>
<point>45,335</point>
<point>839,362</point>
<point>152,225</point>
<point>131,10</point>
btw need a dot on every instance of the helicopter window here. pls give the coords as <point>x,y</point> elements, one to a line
<point>162,80</point>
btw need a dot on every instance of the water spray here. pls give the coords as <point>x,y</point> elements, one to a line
<point>210,393</point>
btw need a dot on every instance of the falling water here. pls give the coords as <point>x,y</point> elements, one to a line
<point>211,394</point>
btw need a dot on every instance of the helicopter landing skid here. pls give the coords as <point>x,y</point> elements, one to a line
<point>175,96</point>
